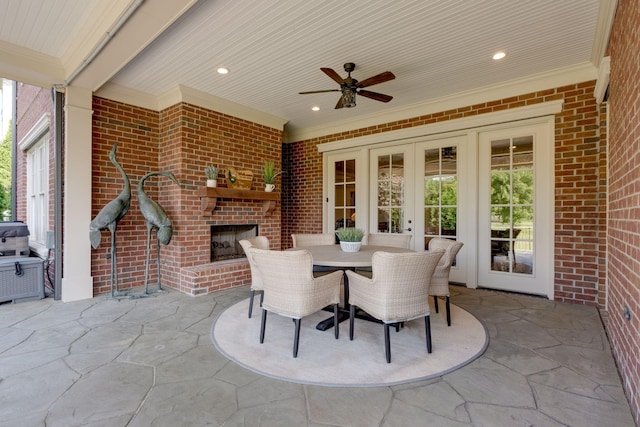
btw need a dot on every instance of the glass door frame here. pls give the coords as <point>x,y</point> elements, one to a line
<point>407,223</point>
<point>541,281</point>
<point>463,272</point>
<point>361,191</point>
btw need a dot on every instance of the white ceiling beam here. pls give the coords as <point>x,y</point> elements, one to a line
<point>147,23</point>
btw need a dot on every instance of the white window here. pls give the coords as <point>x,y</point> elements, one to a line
<point>38,190</point>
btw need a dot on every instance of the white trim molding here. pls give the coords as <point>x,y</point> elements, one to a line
<point>602,84</point>
<point>35,133</point>
<point>186,94</point>
<point>606,13</point>
<point>504,116</point>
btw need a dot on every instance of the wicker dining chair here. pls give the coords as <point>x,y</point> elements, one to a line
<point>260,242</point>
<point>385,239</point>
<point>440,280</point>
<point>397,291</point>
<point>290,289</point>
<point>318,239</point>
<point>389,239</point>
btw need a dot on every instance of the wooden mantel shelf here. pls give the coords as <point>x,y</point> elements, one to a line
<point>209,197</point>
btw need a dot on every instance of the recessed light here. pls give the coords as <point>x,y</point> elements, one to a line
<point>316,108</point>
<point>499,55</point>
<point>223,70</point>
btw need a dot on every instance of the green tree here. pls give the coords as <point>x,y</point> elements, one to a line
<point>441,200</point>
<point>5,173</point>
<point>522,182</point>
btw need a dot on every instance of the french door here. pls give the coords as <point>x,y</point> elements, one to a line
<point>490,189</point>
<point>441,197</point>
<point>346,191</point>
<point>391,204</point>
<point>515,210</point>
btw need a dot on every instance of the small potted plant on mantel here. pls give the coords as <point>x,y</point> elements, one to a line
<point>350,238</point>
<point>211,172</point>
<point>269,174</point>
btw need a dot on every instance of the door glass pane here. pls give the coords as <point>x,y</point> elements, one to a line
<point>345,193</point>
<point>440,193</point>
<point>384,164</point>
<point>431,221</point>
<point>512,215</point>
<point>350,170</point>
<point>390,193</point>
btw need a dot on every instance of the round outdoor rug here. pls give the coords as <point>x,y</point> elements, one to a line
<point>323,360</point>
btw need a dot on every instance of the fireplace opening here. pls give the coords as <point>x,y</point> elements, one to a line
<point>225,240</point>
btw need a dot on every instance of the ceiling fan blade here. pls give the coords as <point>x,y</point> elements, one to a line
<point>319,91</point>
<point>375,95</point>
<point>339,104</point>
<point>335,76</point>
<point>377,79</point>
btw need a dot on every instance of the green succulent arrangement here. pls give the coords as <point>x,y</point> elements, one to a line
<point>349,234</point>
<point>269,172</point>
<point>211,172</point>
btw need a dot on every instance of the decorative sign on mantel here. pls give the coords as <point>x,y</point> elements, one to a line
<point>240,179</point>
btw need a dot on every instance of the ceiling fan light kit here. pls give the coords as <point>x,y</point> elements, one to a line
<point>350,86</point>
<point>348,98</point>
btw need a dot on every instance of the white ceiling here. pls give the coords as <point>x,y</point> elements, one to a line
<point>438,50</point>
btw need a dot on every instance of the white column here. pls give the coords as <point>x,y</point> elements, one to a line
<point>77,282</point>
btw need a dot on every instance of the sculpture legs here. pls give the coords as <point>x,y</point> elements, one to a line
<point>158,264</point>
<point>146,267</point>
<point>146,264</point>
<point>114,265</point>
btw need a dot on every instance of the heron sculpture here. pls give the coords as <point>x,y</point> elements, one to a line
<point>157,219</point>
<point>108,218</point>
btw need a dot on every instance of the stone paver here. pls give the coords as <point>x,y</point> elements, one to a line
<point>150,362</point>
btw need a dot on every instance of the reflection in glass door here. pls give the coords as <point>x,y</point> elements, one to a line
<point>391,190</point>
<point>344,179</point>
<point>390,193</point>
<point>440,193</point>
<point>512,215</point>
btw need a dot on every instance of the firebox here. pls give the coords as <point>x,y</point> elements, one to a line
<point>225,240</point>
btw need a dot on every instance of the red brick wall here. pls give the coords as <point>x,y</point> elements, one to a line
<point>136,132</point>
<point>578,156</point>
<point>192,138</point>
<point>302,205</point>
<point>577,187</point>
<point>33,103</point>
<point>624,186</point>
<point>602,210</point>
<point>182,139</point>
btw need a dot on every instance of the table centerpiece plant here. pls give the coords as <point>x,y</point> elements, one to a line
<point>350,238</point>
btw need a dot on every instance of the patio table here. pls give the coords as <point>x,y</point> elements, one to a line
<point>334,257</point>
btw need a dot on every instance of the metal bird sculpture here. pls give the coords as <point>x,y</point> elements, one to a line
<point>108,218</point>
<point>157,219</point>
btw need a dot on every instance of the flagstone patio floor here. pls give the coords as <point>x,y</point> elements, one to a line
<point>150,362</point>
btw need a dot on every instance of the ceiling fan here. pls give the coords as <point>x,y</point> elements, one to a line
<point>350,86</point>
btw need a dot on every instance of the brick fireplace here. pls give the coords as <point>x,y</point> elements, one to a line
<point>225,240</point>
<point>182,139</point>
